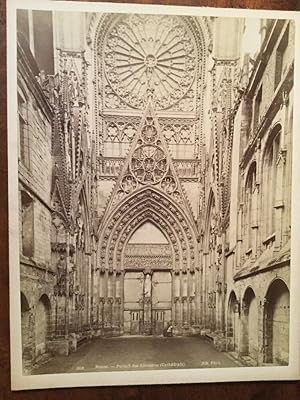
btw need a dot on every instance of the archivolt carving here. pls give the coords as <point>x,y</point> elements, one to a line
<point>136,221</point>
<point>153,212</point>
<point>147,205</point>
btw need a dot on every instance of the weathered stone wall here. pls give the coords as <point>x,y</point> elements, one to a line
<point>225,289</point>
<point>258,265</point>
<point>36,283</point>
<point>37,279</point>
<point>259,283</point>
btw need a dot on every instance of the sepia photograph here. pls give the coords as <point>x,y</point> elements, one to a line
<point>151,156</point>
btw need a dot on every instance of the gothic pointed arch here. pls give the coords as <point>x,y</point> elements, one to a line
<point>148,204</point>
<point>149,248</point>
<point>149,96</point>
<point>149,163</point>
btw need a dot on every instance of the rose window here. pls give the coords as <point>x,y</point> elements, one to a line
<point>149,164</point>
<point>150,53</point>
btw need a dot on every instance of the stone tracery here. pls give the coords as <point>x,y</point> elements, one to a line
<point>146,184</point>
<point>148,204</point>
<point>153,52</point>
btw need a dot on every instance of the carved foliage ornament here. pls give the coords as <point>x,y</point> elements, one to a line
<point>150,52</point>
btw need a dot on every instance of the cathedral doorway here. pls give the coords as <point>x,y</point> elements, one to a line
<point>147,282</point>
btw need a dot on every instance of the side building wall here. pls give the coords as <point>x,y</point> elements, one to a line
<point>257,303</point>
<point>37,277</point>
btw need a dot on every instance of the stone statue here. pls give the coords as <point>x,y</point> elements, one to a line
<point>147,286</point>
<point>61,275</point>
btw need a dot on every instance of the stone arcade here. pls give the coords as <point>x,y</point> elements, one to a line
<point>154,180</point>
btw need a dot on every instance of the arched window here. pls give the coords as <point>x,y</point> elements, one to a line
<point>249,206</point>
<point>269,174</point>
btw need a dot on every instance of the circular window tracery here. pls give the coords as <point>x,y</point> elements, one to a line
<point>128,183</point>
<point>150,52</point>
<point>149,164</point>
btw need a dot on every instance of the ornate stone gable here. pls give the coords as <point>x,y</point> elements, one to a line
<point>136,53</point>
<point>148,189</point>
<point>57,203</point>
<point>149,164</point>
<point>147,205</point>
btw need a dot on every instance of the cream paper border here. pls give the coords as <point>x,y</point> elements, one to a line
<point>19,381</point>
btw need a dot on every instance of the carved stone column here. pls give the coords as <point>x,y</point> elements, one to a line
<point>193,311</point>
<point>101,294</point>
<point>239,239</point>
<point>205,291</point>
<point>101,313</point>
<point>115,311</point>
<point>110,296</point>
<point>192,300</point>
<point>254,222</point>
<point>177,311</point>
<point>106,304</point>
<point>175,297</point>
<point>198,296</point>
<point>67,300</point>
<point>172,297</point>
<point>89,287</point>
<point>188,291</point>
<point>180,302</point>
<point>122,275</point>
<point>279,203</point>
<point>147,303</point>
<point>184,311</point>
<point>110,301</point>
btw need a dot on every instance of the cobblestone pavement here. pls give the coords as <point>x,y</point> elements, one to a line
<point>139,353</point>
